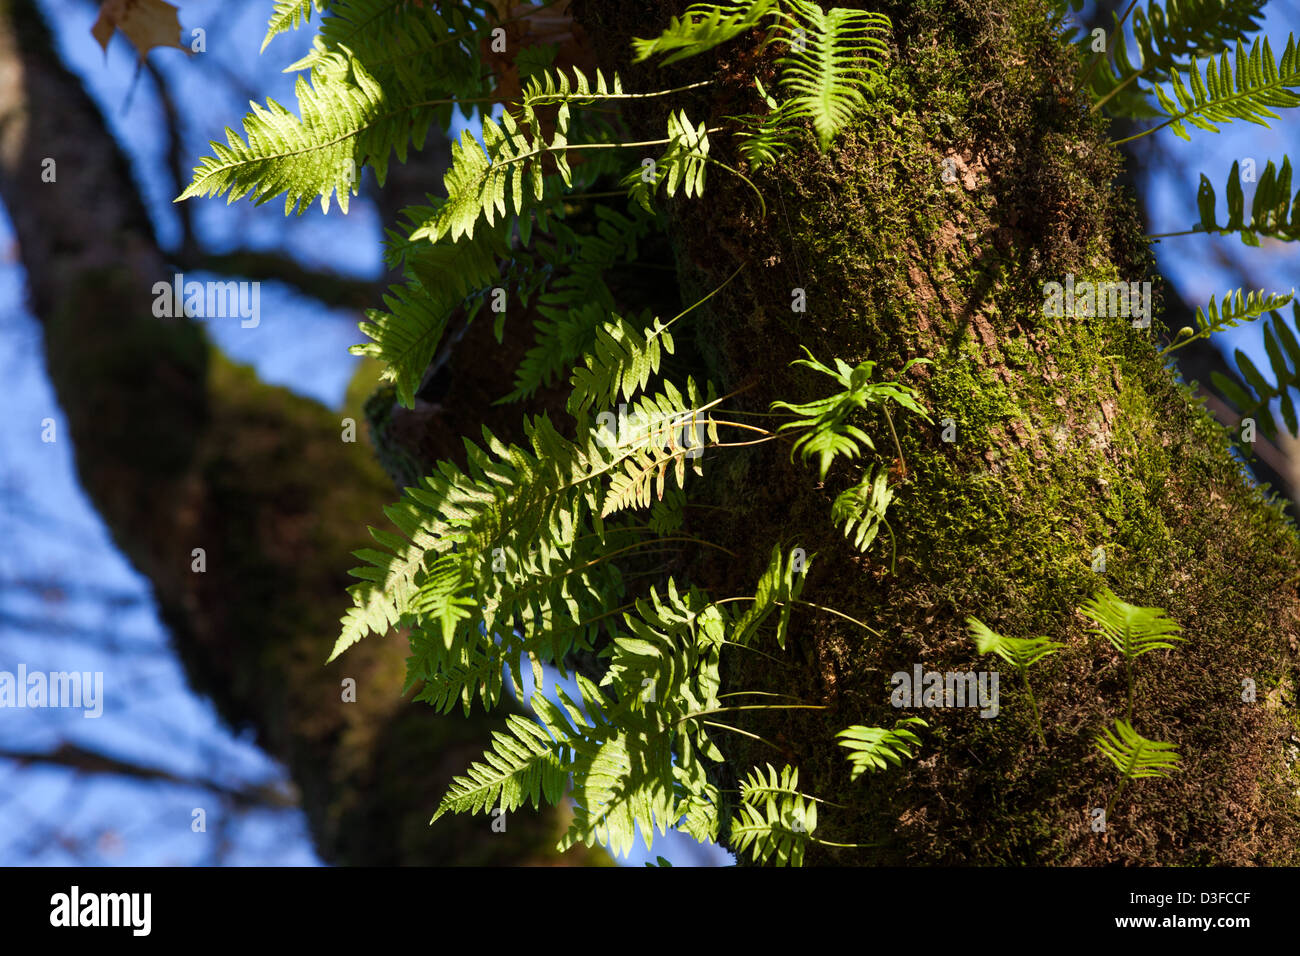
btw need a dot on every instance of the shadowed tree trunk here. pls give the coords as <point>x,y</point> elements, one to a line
<point>180,449</point>
<point>1071,441</point>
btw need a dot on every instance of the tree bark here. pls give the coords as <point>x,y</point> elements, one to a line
<point>180,449</point>
<point>1070,437</point>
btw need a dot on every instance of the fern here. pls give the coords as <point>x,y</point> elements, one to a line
<point>1021,653</point>
<point>1135,756</point>
<point>1255,393</point>
<point>1260,84</point>
<point>1274,213</point>
<point>290,15</point>
<point>1131,630</point>
<point>1169,36</point>
<point>521,766</point>
<point>1235,310</point>
<point>621,363</point>
<point>833,57</point>
<point>828,434</point>
<point>780,585</point>
<point>863,507</point>
<point>682,165</point>
<point>701,28</point>
<point>774,821</point>
<point>875,748</point>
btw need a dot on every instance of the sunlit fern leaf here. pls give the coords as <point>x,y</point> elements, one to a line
<point>661,431</point>
<point>1260,83</point>
<point>1134,755</point>
<point>620,364</point>
<point>1275,213</point>
<point>1131,630</point>
<point>774,825</point>
<point>876,748</point>
<point>702,27</point>
<point>833,56</point>
<point>1020,652</point>
<point>520,767</point>
<point>682,165</point>
<point>290,15</point>
<point>863,507</point>
<point>828,433</point>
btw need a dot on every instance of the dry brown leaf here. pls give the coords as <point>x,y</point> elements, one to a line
<point>146,23</point>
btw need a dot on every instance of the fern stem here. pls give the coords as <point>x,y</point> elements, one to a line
<point>743,733</point>
<point>1038,723</point>
<point>542,99</point>
<point>884,406</point>
<point>831,610</point>
<point>1110,42</point>
<point>1119,86</point>
<point>723,710</point>
<point>1113,797</point>
<point>806,796</point>
<point>692,308</point>
<point>845,845</point>
<point>757,693</point>
<point>774,660</point>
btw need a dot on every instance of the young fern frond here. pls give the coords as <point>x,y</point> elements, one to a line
<point>1254,395</point>
<point>1235,309</point>
<point>1260,84</point>
<point>682,165</point>
<point>1131,630</point>
<point>1020,652</point>
<point>1134,755</point>
<point>825,421</point>
<point>876,748</point>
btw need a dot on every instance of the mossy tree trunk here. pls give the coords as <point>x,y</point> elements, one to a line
<point>179,449</point>
<point>1069,437</point>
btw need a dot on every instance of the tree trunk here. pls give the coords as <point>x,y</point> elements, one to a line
<point>1070,437</point>
<point>180,449</point>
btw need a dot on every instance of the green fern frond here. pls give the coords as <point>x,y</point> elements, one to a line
<point>863,507</point>
<point>1131,630</point>
<point>833,57</point>
<point>828,432</point>
<point>774,825</point>
<point>669,513</point>
<point>1254,394</point>
<point>1236,309</point>
<point>1134,755</point>
<point>682,165</point>
<point>1260,83</point>
<point>780,585</point>
<point>663,430</point>
<point>346,119</point>
<point>1275,214</point>
<point>521,766</point>
<point>701,28</point>
<point>290,15</point>
<point>875,748</point>
<point>1169,36</point>
<point>406,337</point>
<point>620,364</point>
<point>1020,652</point>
